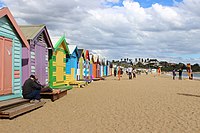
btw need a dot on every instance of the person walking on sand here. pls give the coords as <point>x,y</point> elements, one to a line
<point>180,74</point>
<point>119,72</point>
<point>174,74</point>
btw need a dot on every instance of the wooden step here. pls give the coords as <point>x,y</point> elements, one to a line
<point>96,79</point>
<point>53,96</point>
<point>13,112</point>
<point>78,83</point>
<point>64,87</point>
<point>12,102</point>
<point>102,78</point>
<point>86,80</point>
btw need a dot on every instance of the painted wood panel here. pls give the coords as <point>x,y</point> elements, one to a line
<point>91,71</point>
<point>71,66</point>
<point>87,64</point>
<point>94,70</point>
<point>35,60</point>
<point>7,30</point>
<point>68,66</point>
<point>98,70</point>
<point>41,63</point>
<point>57,71</point>
<point>1,66</point>
<point>105,70</point>
<point>5,66</point>
<point>74,65</point>
<point>86,69</point>
<point>25,64</point>
<point>81,67</point>
<point>101,69</point>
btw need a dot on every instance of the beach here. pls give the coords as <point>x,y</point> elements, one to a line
<point>147,104</point>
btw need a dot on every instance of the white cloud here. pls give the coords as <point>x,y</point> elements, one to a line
<point>113,1</point>
<point>115,32</point>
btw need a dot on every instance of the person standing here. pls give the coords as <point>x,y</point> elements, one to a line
<point>31,89</point>
<point>146,72</point>
<point>180,74</point>
<point>174,74</point>
<point>119,72</point>
<point>134,73</point>
<point>115,71</point>
<point>130,70</point>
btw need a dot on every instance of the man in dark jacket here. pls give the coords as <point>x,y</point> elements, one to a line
<point>31,89</point>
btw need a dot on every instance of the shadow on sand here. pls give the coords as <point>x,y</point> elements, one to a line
<point>188,95</point>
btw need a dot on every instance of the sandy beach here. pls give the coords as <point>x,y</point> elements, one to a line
<point>147,104</point>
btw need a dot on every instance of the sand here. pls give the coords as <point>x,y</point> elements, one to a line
<point>147,104</point>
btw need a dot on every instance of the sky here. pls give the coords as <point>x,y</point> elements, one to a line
<point>168,30</point>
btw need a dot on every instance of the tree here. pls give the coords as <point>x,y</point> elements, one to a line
<point>140,65</point>
<point>195,68</point>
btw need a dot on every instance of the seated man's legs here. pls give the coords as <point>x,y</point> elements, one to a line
<point>33,95</point>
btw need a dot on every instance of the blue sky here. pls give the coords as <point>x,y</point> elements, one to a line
<point>1,4</point>
<point>147,3</point>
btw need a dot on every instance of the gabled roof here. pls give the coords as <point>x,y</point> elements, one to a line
<point>103,61</point>
<point>100,60</point>
<point>59,42</point>
<point>87,55</point>
<point>80,51</point>
<point>96,58</point>
<point>91,56</point>
<point>5,12</point>
<point>33,31</point>
<point>72,48</point>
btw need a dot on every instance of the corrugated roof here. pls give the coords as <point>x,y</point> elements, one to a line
<point>31,31</point>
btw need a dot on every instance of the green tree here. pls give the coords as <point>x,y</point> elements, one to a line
<point>196,68</point>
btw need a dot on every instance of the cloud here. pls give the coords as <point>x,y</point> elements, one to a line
<point>113,1</point>
<point>127,31</point>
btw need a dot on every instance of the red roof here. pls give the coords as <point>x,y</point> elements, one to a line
<point>6,12</point>
<point>87,54</point>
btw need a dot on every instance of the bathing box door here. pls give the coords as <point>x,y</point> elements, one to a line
<point>41,63</point>
<point>5,66</point>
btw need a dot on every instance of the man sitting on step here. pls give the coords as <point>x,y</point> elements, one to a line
<point>31,89</point>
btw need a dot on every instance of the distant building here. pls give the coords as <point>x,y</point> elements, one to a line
<point>147,61</point>
<point>153,62</point>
